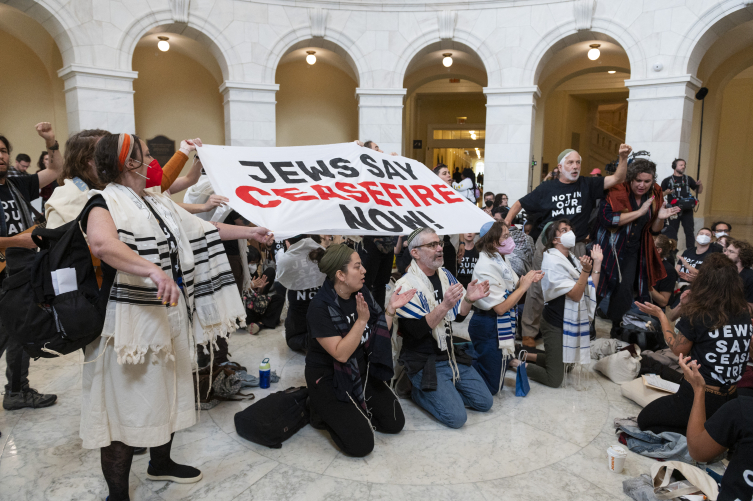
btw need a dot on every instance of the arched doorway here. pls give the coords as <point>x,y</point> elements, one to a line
<point>444,118</point>
<point>583,104</point>
<point>176,94</point>
<point>726,70</point>
<point>316,103</point>
<point>32,90</point>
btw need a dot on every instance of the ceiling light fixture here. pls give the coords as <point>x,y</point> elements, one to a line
<point>612,72</point>
<point>311,58</point>
<point>163,44</point>
<point>447,61</point>
<point>594,52</point>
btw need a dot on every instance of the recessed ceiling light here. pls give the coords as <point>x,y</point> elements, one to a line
<point>612,71</point>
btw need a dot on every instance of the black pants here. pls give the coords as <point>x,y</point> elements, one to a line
<point>673,225</point>
<point>624,293</point>
<point>16,359</point>
<point>349,429</point>
<point>378,269</point>
<point>672,413</point>
<point>296,328</point>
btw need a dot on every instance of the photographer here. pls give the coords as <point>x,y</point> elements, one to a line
<point>678,187</point>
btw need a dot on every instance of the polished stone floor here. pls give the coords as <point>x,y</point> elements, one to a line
<point>549,445</point>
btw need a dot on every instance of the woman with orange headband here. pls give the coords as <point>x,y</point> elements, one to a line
<point>170,290</point>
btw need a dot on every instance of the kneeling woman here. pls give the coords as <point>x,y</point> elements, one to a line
<point>349,358</point>
<point>569,287</point>
<point>492,327</point>
<point>715,331</point>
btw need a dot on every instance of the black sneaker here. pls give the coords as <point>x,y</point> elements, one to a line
<point>138,451</point>
<point>178,473</point>
<point>27,398</point>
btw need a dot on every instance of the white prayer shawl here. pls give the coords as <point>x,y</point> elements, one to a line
<point>135,318</point>
<point>559,279</point>
<point>502,282</point>
<point>199,194</point>
<point>295,271</point>
<point>423,301</point>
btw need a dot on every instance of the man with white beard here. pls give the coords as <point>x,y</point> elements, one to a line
<point>569,196</point>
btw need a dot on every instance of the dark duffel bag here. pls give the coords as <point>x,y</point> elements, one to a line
<point>274,419</point>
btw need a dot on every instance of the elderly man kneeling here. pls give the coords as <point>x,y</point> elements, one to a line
<point>444,383</point>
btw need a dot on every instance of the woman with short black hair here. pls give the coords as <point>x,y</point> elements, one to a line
<point>569,287</point>
<point>715,330</point>
<point>349,358</point>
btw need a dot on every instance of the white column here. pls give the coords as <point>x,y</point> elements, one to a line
<point>98,98</point>
<point>659,119</point>
<point>380,117</point>
<point>249,113</point>
<point>510,114</point>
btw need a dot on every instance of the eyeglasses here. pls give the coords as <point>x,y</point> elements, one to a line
<point>430,245</point>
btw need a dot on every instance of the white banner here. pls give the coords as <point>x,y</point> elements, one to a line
<point>336,189</point>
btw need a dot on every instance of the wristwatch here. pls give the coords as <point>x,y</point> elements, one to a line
<point>54,147</point>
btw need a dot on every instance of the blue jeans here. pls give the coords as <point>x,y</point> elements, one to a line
<point>483,331</point>
<point>448,402</point>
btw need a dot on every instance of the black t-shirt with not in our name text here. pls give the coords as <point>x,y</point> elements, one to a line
<point>557,200</point>
<point>28,186</point>
<point>466,266</point>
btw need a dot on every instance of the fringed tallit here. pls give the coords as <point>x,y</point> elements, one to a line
<point>135,318</point>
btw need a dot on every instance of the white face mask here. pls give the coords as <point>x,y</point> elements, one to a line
<point>252,268</point>
<point>720,234</point>
<point>703,239</point>
<point>568,240</point>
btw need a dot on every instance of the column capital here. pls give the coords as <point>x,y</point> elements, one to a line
<point>380,98</point>
<point>511,96</point>
<point>682,86</point>
<point>249,92</point>
<point>229,85</point>
<point>73,70</point>
<point>665,81</point>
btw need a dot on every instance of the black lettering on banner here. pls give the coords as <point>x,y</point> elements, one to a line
<point>430,220</point>
<point>375,214</point>
<point>343,165</point>
<point>316,174</point>
<point>355,222</point>
<point>268,177</point>
<point>371,165</point>
<point>408,170</point>
<point>286,176</point>
<point>391,171</point>
<point>412,221</point>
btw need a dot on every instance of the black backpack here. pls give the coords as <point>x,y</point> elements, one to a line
<point>44,324</point>
<point>275,418</point>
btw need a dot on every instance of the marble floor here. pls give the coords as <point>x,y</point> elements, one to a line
<point>549,445</point>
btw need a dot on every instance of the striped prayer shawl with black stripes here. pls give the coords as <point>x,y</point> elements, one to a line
<point>136,317</point>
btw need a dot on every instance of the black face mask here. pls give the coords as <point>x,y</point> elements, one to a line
<point>488,203</point>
